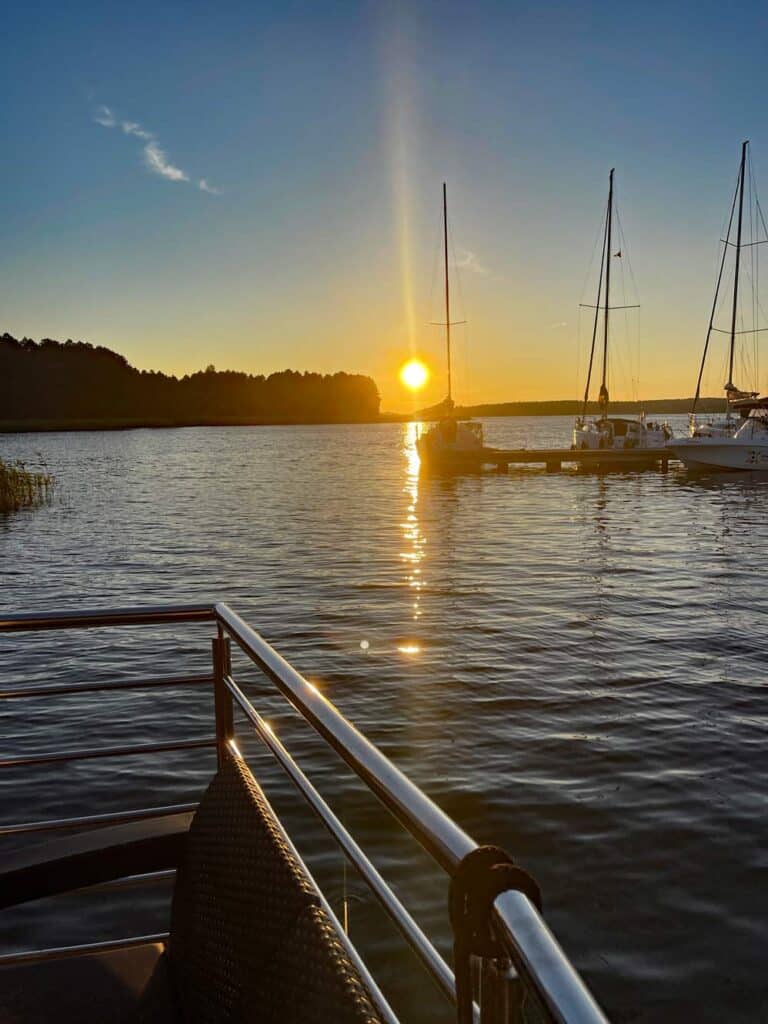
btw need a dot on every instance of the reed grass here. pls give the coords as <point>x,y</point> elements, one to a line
<point>24,488</point>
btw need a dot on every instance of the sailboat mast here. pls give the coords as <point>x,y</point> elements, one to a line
<point>609,226</point>
<point>595,323</point>
<point>713,311</point>
<point>447,291</point>
<point>736,270</point>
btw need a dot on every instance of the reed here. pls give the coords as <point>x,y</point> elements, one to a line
<point>23,488</point>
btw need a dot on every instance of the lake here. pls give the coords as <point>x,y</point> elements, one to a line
<point>571,665</point>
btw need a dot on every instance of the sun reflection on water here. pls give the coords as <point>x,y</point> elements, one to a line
<point>413,553</point>
<point>409,649</point>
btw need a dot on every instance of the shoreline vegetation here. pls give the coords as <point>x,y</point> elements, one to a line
<point>52,386</point>
<point>73,384</point>
<point>23,488</point>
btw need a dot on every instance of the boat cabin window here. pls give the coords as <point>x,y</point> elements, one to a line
<point>626,428</point>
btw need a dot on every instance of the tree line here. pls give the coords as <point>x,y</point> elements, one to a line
<point>74,382</point>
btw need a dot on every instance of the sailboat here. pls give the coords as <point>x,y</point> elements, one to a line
<point>450,443</point>
<point>737,441</point>
<point>606,431</point>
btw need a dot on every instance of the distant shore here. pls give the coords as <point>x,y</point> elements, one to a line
<point>56,425</point>
<point>655,407</point>
<point>570,407</point>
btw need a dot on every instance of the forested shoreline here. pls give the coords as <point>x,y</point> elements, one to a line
<point>75,384</point>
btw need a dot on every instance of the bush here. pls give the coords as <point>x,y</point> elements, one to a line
<point>23,488</point>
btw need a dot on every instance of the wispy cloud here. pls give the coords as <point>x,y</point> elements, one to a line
<point>133,128</point>
<point>157,161</point>
<point>559,324</point>
<point>468,261</point>
<point>105,117</point>
<point>155,158</point>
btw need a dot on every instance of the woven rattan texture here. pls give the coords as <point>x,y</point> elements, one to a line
<point>250,941</point>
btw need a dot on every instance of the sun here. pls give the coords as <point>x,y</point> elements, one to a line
<point>414,374</point>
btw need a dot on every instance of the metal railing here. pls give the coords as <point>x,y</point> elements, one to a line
<point>542,967</point>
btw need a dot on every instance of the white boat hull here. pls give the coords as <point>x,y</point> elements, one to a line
<point>618,434</point>
<point>720,453</point>
<point>746,450</point>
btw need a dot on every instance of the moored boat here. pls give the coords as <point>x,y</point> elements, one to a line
<point>451,443</point>
<point>619,433</point>
<point>747,449</point>
<point>738,403</point>
<point>604,431</point>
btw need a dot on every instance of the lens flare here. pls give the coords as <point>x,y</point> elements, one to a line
<point>414,374</point>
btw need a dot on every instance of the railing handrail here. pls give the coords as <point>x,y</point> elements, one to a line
<point>534,950</point>
<point>94,617</point>
<point>57,690</point>
<point>531,945</point>
<point>436,832</point>
<point>96,820</point>
<point>93,753</point>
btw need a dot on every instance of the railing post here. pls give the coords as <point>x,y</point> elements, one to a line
<point>222,665</point>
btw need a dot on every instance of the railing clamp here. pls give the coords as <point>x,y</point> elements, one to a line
<point>480,877</point>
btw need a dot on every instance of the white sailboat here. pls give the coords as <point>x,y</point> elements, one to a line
<point>450,443</point>
<point>747,449</point>
<point>604,431</point>
<point>739,438</point>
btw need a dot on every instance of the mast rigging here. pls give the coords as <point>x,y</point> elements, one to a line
<point>447,293</point>
<point>730,386</point>
<point>603,395</point>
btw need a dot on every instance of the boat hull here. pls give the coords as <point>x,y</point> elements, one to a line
<point>720,453</point>
<point>451,445</point>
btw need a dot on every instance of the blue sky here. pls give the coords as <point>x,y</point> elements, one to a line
<point>327,129</point>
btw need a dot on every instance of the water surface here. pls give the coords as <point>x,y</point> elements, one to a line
<point>572,665</point>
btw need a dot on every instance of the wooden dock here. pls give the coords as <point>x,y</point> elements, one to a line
<point>553,459</point>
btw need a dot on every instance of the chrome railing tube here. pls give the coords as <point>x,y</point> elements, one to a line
<point>58,952</point>
<point>59,756</point>
<point>536,951</point>
<point>129,881</point>
<point>167,682</point>
<point>150,615</point>
<point>436,832</point>
<point>96,820</point>
<point>409,929</point>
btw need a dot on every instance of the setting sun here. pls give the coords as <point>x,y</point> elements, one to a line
<point>414,374</point>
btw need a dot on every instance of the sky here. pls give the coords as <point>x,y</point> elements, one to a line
<point>258,186</point>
